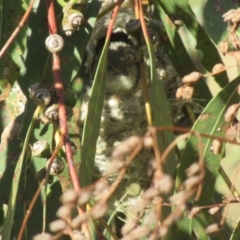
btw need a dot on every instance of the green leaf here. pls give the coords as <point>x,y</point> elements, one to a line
<point>92,121</point>
<point>236,232</point>
<point>11,13</point>
<point>210,121</point>
<point>213,21</point>
<point>182,10</point>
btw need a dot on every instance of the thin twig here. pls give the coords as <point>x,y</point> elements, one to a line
<point>18,28</point>
<point>28,212</point>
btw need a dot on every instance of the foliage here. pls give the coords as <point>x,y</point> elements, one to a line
<point>29,196</point>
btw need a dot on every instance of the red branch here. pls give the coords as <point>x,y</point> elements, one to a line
<point>61,102</point>
<point>56,67</point>
<point>113,17</point>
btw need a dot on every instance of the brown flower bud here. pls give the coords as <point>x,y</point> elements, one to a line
<point>192,77</point>
<point>231,132</point>
<point>188,92</point>
<point>236,16</point>
<point>128,226</point>
<point>213,210</point>
<point>231,111</point>
<point>70,196</point>
<point>216,146</point>
<point>150,193</point>
<point>212,228</point>
<point>58,225</point>
<point>223,47</point>
<point>140,232</point>
<point>84,196</point>
<point>193,169</point>
<point>99,210</point>
<point>233,38</point>
<point>228,15</point>
<point>77,221</point>
<point>218,67</point>
<point>64,211</point>
<point>192,182</point>
<point>122,150</point>
<point>178,198</point>
<point>43,236</point>
<point>194,212</point>
<point>179,93</point>
<point>100,190</point>
<point>163,183</point>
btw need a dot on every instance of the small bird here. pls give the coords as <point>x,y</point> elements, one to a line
<point>121,76</point>
<point>123,118</point>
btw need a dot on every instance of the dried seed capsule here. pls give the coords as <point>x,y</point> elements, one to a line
<point>132,55</point>
<point>51,112</point>
<point>71,20</point>
<point>76,18</point>
<point>153,36</point>
<point>40,96</point>
<point>73,147</point>
<point>34,87</point>
<point>41,148</point>
<point>57,166</point>
<point>134,29</point>
<point>133,26</point>
<point>54,43</point>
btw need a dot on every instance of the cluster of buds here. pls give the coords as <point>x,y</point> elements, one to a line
<point>233,17</point>
<point>69,222</point>
<point>150,199</point>
<point>186,90</point>
<point>42,97</point>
